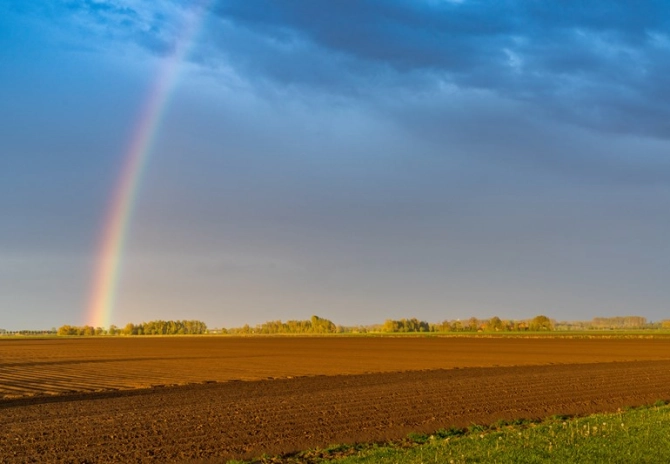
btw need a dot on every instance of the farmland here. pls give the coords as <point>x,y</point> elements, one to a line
<point>182,398</point>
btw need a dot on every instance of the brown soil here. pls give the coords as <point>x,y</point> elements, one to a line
<point>57,366</point>
<point>227,419</point>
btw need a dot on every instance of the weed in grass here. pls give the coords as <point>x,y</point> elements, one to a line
<point>476,428</point>
<point>419,438</point>
<point>522,422</point>
<point>499,424</point>
<point>450,432</point>
<point>332,449</point>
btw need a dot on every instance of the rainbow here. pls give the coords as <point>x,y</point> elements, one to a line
<point>122,201</point>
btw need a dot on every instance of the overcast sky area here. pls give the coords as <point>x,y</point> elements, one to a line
<point>358,160</point>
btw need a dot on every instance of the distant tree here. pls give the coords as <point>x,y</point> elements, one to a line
<point>64,330</point>
<point>320,325</point>
<point>520,326</point>
<point>389,326</point>
<point>494,324</point>
<point>619,322</point>
<point>444,326</point>
<point>541,323</point>
<point>405,325</point>
<point>472,324</point>
<point>88,330</point>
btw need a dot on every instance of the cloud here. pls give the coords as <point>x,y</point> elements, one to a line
<point>600,64</point>
<point>603,65</point>
<point>96,24</point>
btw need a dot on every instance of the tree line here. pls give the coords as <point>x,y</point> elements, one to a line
<point>319,325</point>
<point>314,325</point>
<point>612,323</point>
<point>145,328</point>
<point>494,324</point>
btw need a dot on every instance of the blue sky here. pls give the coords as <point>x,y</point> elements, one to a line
<point>359,160</point>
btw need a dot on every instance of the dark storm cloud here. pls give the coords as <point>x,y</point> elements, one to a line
<point>599,64</point>
<point>458,37</point>
<point>396,33</point>
<point>603,64</point>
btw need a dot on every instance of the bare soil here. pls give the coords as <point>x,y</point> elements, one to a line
<point>57,366</point>
<point>77,400</point>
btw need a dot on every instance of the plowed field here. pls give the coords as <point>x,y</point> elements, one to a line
<point>73,400</point>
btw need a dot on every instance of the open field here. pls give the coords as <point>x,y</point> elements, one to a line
<point>324,391</point>
<point>65,365</point>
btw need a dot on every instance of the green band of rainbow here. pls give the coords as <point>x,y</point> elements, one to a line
<point>119,214</point>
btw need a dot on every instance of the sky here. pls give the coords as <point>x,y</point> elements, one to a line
<point>358,160</point>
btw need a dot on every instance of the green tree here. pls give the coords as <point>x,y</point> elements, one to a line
<point>64,330</point>
<point>541,322</point>
<point>494,324</point>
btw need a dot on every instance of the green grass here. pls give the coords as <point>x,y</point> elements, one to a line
<point>640,435</point>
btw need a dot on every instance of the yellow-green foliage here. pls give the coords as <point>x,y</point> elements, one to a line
<point>145,328</point>
<point>315,325</point>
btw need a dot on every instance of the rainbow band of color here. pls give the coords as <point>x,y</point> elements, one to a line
<point>119,214</point>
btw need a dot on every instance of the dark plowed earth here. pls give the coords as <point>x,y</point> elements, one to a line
<point>242,419</point>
